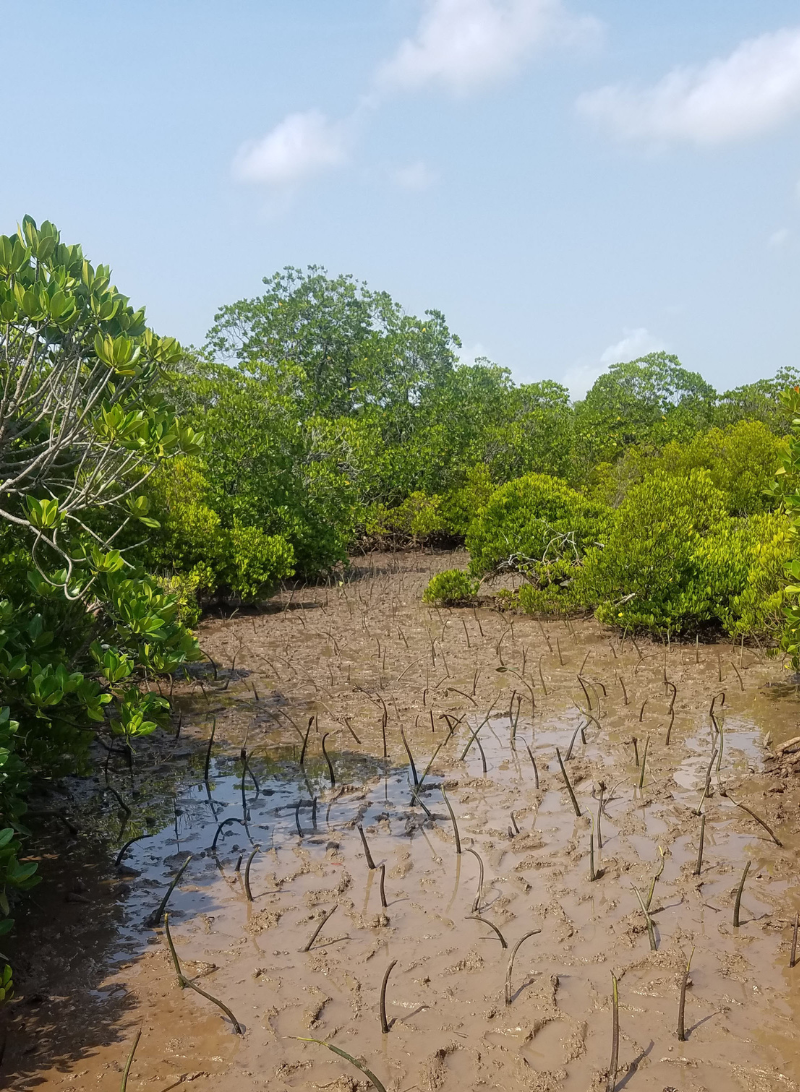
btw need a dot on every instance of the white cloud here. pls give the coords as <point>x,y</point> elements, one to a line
<point>779,238</point>
<point>463,44</point>
<point>753,90</point>
<point>633,344</point>
<point>416,176</point>
<point>302,145</point>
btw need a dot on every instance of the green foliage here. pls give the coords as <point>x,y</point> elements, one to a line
<point>265,466</point>
<point>15,875</point>
<point>675,560</point>
<point>650,400</point>
<point>788,475</point>
<point>461,505</point>
<point>81,429</point>
<point>740,459</point>
<point>348,347</point>
<point>197,556</point>
<point>531,520</point>
<point>450,588</point>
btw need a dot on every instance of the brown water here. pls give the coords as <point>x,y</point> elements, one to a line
<point>352,657</point>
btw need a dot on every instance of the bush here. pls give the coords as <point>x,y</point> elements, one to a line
<point>758,610</point>
<point>450,588</point>
<point>199,556</point>
<point>533,520</point>
<point>657,570</point>
<point>460,506</point>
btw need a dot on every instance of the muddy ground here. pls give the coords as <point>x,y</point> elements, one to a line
<point>352,666</point>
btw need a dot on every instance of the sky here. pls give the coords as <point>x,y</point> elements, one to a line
<point>572,182</point>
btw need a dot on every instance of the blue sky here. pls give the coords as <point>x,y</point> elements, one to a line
<point>570,181</point>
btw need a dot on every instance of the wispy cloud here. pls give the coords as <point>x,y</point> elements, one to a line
<point>416,176</point>
<point>755,89</point>
<point>465,44</point>
<point>779,238</point>
<point>302,145</point>
<point>458,44</point>
<point>633,344</point>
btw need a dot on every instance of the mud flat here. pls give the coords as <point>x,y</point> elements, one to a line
<point>331,675</point>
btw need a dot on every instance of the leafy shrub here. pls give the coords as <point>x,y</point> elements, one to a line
<point>758,610</point>
<point>198,555</point>
<point>450,588</point>
<point>531,520</point>
<point>460,506</point>
<point>657,570</point>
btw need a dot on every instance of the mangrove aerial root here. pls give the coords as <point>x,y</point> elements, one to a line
<point>510,967</point>
<point>318,930</point>
<point>367,854</point>
<point>348,1057</point>
<point>384,1022</point>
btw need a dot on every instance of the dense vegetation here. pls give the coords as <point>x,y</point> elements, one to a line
<point>141,481</point>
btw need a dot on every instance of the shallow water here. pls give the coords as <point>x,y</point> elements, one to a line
<point>351,658</point>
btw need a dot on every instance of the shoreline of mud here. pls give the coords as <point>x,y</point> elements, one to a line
<point>352,665</point>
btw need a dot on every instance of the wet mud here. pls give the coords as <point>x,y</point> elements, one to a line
<point>355,708</point>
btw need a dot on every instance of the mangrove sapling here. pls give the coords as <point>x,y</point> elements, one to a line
<point>477,901</point>
<point>385,1025</point>
<point>127,846</point>
<point>586,692</point>
<point>592,873</point>
<point>682,1002</point>
<point>155,918</point>
<point>651,936</point>
<point>410,758</point>
<point>622,684</point>
<point>644,763</point>
<point>533,763</point>
<point>698,868</point>
<point>738,676</point>
<point>674,695</point>
<point>635,743</point>
<point>541,677</point>
<point>367,854</point>
<point>350,728</point>
<point>567,783</point>
<point>707,784</point>
<point>612,1069</point>
<point>738,903</point>
<point>247,890</point>
<point>185,982</point>
<point>483,921</point>
<point>453,690</point>
<point>793,953</point>
<point>208,752</point>
<point>656,878</point>
<point>319,928</point>
<point>510,967</point>
<point>129,1062</point>
<point>453,820</point>
<point>568,755</point>
<point>759,820</point>
<point>474,736</point>
<point>483,755</point>
<point>348,1057</point>
<point>382,887</point>
<point>328,760</point>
